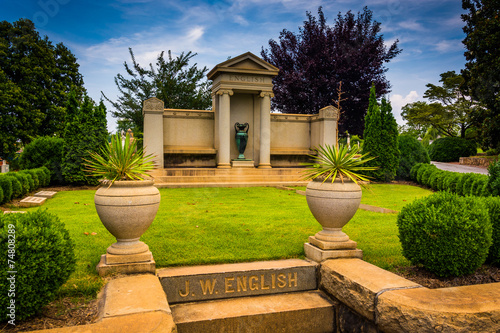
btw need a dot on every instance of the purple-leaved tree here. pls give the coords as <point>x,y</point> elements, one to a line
<point>313,62</point>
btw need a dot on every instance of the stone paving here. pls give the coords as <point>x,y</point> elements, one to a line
<point>460,168</point>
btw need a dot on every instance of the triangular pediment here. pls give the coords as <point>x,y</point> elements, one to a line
<point>247,62</point>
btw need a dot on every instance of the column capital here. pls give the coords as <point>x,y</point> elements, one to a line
<point>225,91</point>
<point>266,93</point>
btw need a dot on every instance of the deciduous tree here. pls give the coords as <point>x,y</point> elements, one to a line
<point>313,62</point>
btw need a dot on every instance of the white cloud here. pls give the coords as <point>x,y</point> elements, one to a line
<point>452,45</point>
<point>398,101</point>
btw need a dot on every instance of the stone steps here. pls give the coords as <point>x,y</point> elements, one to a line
<point>308,311</point>
<point>237,177</point>
<point>266,296</point>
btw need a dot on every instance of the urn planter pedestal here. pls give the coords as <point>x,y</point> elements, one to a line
<point>332,205</point>
<point>127,209</point>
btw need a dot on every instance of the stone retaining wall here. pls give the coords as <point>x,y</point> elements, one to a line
<point>477,161</point>
<point>370,299</point>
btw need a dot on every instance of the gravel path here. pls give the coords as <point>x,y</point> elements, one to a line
<point>460,168</point>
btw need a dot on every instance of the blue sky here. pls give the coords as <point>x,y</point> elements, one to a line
<point>99,33</point>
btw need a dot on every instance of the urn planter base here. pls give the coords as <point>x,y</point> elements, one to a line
<point>104,268</point>
<point>314,253</point>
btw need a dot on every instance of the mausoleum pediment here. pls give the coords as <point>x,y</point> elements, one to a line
<point>247,63</point>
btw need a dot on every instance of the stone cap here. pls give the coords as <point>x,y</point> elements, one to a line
<point>153,105</point>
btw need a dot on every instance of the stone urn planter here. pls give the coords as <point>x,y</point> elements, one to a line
<point>333,205</point>
<point>127,209</point>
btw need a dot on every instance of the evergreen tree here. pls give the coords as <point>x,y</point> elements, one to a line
<point>85,131</point>
<point>389,156</point>
<point>371,135</point>
<point>172,81</point>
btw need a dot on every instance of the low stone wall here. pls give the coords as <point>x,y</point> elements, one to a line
<point>477,161</point>
<point>370,299</point>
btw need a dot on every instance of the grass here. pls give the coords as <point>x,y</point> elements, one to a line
<point>215,225</point>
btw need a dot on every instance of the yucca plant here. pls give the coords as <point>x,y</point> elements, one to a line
<point>120,161</point>
<point>343,162</point>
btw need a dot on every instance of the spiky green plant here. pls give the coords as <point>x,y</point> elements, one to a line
<point>120,161</point>
<point>342,162</point>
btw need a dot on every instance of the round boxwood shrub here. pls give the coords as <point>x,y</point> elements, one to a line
<point>424,179</point>
<point>449,235</point>
<point>36,181</point>
<point>1,194</point>
<point>44,151</point>
<point>17,188</point>
<point>478,185</point>
<point>493,205</point>
<point>467,186</point>
<point>434,178</point>
<point>43,258</point>
<point>6,186</point>
<point>494,178</point>
<point>31,182</point>
<point>42,177</point>
<point>451,180</point>
<point>23,179</point>
<point>450,149</point>
<point>414,170</point>
<point>424,171</point>
<point>461,182</point>
<point>412,152</point>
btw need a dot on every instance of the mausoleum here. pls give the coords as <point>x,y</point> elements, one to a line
<point>242,89</point>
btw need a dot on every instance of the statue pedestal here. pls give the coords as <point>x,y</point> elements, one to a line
<point>242,164</point>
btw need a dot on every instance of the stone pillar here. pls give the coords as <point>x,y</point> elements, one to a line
<point>328,117</point>
<point>152,111</point>
<point>265,130</point>
<point>224,158</point>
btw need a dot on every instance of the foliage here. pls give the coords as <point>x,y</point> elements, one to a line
<point>331,163</point>
<point>450,149</point>
<point>494,178</point>
<point>31,182</point>
<point>447,234</point>
<point>449,110</point>
<point>44,259</point>
<point>85,131</point>
<point>6,185</point>
<point>17,188</point>
<point>172,81</point>
<point>120,161</point>
<point>45,151</point>
<point>482,70</point>
<point>35,78</point>
<point>493,205</point>
<point>313,62</point>
<point>412,152</point>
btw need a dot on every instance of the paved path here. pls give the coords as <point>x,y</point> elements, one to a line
<point>460,168</point>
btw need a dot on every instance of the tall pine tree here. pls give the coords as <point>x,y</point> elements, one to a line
<point>381,139</point>
<point>85,131</point>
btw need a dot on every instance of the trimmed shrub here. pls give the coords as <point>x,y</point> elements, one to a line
<point>44,151</point>
<point>449,235</point>
<point>424,169</point>
<point>427,174</point>
<point>31,182</point>
<point>461,182</point>
<point>467,186</point>
<point>434,178</point>
<point>478,185</point>
<point>451,180</point>
<point>494,179</point>
<point>493,205</point>
<point>486,191</point>
<point>6,186</point>
<point>23,179</point>
<point>36,181</point>
<point>42,177</point>
<point>44,259</point>
<point>412,152</point>
<point>17,188</point>
<point>414,170</point>
<point>1,194</point>
<point>450,149</point>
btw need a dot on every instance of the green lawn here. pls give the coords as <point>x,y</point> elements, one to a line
<point>214,225</point>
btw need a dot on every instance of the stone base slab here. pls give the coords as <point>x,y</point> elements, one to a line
<point>112,259</point>
<point>32,202</point>
<point>189,284</point>
<point>45,194</point>
<point>128,268</point>
<point>316,254</point>
<point>307,311</point>
<point>242,164</point>
<point>348,245</point>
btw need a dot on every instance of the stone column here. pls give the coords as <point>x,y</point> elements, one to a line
<point>328,117</point>
<point>152,111</point>
<point>224,159</point>
<point>265,129</point>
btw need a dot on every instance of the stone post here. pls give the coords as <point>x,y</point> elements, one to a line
<point>152,112</point>
<point>224,158</point>
<point>265,130</point>
<point>328,117</point>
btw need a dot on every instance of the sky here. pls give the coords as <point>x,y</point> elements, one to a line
<point>100,32</point>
